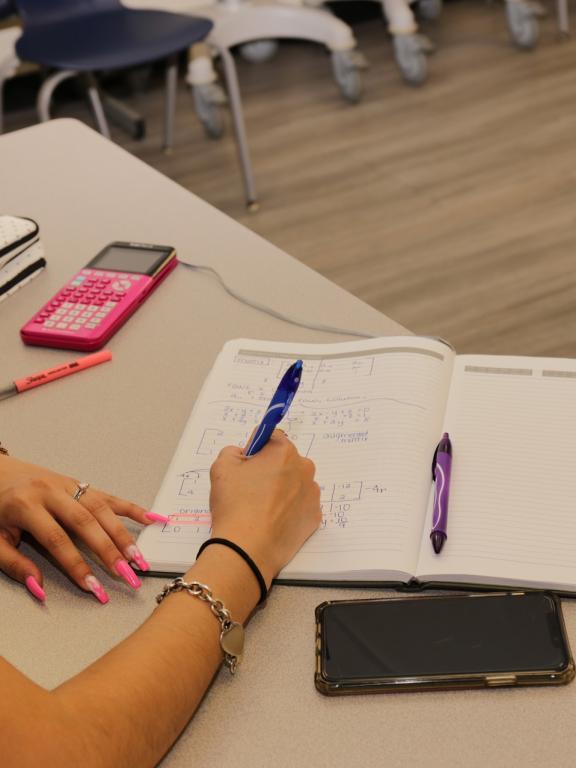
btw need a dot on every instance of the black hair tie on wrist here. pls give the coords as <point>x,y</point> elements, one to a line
<point>247,559</point>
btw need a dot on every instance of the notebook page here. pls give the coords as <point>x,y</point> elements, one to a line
<point>512,509</point>
<point>367,413</point>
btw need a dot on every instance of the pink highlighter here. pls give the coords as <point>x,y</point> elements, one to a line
<point>51,374</point>
<point>99,299</point>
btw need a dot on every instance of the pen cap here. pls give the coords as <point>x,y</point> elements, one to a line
<point>445,446</point>
<point>8,391</point>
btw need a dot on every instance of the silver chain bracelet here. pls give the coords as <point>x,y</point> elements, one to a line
<point>232,633</point>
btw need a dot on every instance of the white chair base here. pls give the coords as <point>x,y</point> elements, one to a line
<point>236,23</point>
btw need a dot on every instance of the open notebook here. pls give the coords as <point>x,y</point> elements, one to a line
<point>369,414</point>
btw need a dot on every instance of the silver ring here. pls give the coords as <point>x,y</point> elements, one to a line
<point>80,491</point>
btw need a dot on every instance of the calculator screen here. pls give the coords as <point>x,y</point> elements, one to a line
<point>120,257</point>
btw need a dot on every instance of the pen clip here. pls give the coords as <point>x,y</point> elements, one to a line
<point>287,404</point>
<point>434,461</point>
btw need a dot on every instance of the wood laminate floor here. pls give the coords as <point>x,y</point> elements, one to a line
<point>451,208</point>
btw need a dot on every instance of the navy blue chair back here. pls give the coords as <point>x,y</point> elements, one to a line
<point>86,36</point>
<point>45,11</point>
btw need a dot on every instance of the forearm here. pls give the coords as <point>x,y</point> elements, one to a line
<point>133,703</point>
<point>128,708</point>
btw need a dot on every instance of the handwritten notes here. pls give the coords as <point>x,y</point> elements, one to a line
<point>367,413</point>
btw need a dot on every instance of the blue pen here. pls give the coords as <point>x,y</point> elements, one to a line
<point>277,409</point>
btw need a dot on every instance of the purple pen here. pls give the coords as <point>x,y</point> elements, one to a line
<point>441,467</point>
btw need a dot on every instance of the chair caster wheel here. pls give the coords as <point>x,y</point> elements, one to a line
<point>429,9</point>
<point>523,23</point>
<point>346,66</point>
<point>208,102</point>
<point>410,52</point>
<point>259,51</point>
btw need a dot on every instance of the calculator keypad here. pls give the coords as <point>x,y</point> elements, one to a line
<point>86,301</point>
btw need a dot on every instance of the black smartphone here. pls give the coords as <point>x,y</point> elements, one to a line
<point>441,642</point>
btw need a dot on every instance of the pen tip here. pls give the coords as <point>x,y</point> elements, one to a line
<point>438,540</point>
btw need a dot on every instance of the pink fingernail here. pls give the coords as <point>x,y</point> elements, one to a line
<point>157,518</point>
<point>97,589</point>
<point>123,569</point>
<point>133,553</point>
<point>35,588</point>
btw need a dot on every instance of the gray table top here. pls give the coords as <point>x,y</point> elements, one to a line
<point>117,427</point>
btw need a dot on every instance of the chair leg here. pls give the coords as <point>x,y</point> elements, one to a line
<point>563,17</point>
<point>96,103</point>
<point>46,91</point>
<point>1,105</point>
<point>123,116</point>
<point>7,69</point>
<point>231,78</point>
<point>170,102</point>
<point>9,63</point>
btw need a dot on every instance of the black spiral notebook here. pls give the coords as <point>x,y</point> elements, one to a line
<point>369,414</point>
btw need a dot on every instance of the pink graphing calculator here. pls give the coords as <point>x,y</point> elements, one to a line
<point>99,299</point>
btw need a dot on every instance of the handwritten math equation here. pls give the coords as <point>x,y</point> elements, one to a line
<point>339,502</point>
<point>316,373</point>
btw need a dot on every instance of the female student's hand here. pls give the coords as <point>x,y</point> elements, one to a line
<point>39,501</point>
<point>268,503</point>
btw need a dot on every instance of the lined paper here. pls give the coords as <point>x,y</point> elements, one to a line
<point>367,413</point>
<point>512,512</point>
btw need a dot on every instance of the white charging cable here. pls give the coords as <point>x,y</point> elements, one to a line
<point>273,312</point>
